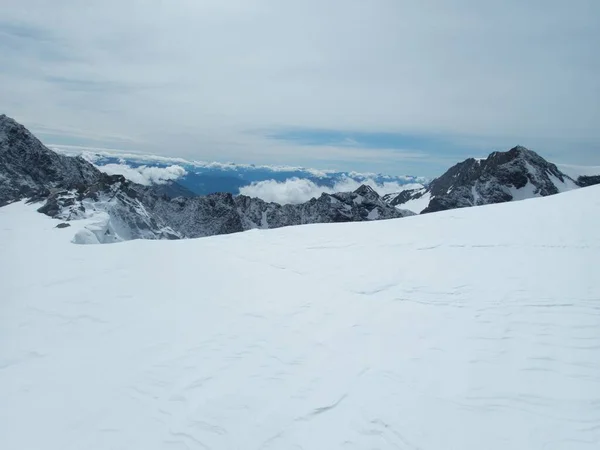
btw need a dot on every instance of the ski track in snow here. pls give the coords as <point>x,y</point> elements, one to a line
<point>469,329</point>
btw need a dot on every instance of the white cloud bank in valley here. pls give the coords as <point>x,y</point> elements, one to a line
<point>299,190</point>
<point>145,175</point>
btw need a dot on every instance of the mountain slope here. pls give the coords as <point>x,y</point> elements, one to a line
<point>28,168</point>
<point>502,177</point>
<point>73,189</point>
<point>468,329</point>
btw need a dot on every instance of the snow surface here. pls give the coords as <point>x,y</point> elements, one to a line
<point>418,204</point>
<point>530,191</point>
<point>563,186</point>
<point>475,194</point>
<point>373,214</point>
<point>476,328</point>
<point>526,192</point>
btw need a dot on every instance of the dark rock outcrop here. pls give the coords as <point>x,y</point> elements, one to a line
<point>224,213</point>
<point>588,180</point>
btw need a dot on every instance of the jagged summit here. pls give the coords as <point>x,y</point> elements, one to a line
<point>518,150</point>
<point>365,189</point>
<point>367,192</point>
<point>516,174</point>
<point>5,119</point>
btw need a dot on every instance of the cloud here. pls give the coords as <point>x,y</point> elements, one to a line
<point>201,79</point>
<point>577,171</point>
<point>96,155</point>
<point>93,154</point>
<point>300,190</point>
<point>145,175</point>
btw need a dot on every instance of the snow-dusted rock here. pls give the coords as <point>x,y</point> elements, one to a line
<point>502,177</point>
<point>28,168</point>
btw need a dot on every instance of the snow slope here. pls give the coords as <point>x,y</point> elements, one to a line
<point>417,205</point>
<point>475,328</point>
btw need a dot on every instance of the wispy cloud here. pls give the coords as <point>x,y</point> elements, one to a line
<point>97,155</point>
<point>349,138</point>
<point>402,84</point>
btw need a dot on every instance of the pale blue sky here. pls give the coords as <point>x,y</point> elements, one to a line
<point>386,85</point>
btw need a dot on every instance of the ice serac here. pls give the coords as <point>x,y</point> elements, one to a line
<point>118,209</point>
<point>72,188</point>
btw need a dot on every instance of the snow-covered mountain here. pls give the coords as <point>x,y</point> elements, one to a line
<point>470,329</point>
<point>72,188</point>
<point>501,177</point>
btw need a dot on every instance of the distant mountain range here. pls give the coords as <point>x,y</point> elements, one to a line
<point>203,178</point>
<point>71,187</point>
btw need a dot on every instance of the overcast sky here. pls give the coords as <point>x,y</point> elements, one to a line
<point>394,86</point>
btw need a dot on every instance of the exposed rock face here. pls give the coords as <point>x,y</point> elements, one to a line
<point>588,180</point>
<point>72,188</point>
<point>224,213</point>
<point>171,189</point>
<point>503,176</point>
<point>28,168</point>
<point>117,207</point>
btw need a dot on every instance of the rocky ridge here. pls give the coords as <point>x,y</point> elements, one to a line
<point>516,174</point>
<point>71,188</point>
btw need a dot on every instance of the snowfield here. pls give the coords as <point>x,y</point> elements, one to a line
<point>475,328</point>
<point>416,205</point>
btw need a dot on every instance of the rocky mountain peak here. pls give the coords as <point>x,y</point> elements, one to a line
<point>516,174</point>
<point>27,167</point>
<point>503,176</point>
<point>365,189</point>
<point>367,192</point>
<point>520,150</point>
